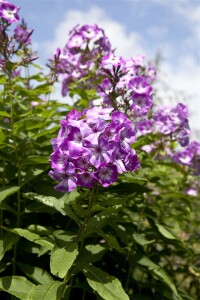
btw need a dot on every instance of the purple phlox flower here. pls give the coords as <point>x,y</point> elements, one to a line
<point>140,85</point>
<point>90,31</point>
<point>68,183</point>
<point>106,174</point>
<point>76,41</point>
<point>181,110</point>
<point>105,87</point>
<point>190,156</point>
<point>86,179</point>
<point>113,60</point>
<point>95,113</point>
<point>141,104</point>
<point>123,83</point>
<point>96,129</point>
<point>97,153</point>
<point>104,43</point>
<point>127,137</point>
<point>60,161</point>
<point>75,114</point>
<point>74,142</point>
<point>144,126</point>
<point>111,132</point>
<point>131,162</point>
<point>119,117</point>
<point>22,34</point>
<point>118,157</point>
<point>9,12</point>
<point>80,163</point>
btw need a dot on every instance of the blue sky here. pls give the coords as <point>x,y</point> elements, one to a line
<point>170,27</point>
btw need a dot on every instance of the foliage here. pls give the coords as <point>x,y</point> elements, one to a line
<point>135,239</point>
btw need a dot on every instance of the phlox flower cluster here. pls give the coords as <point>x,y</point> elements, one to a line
<point>11,43</point>
<point>127,84</point>
<point>189,156</point>
<point>92,146</point>
<point>170,121</point>
<point>124,84</point>
<point>81,54</point>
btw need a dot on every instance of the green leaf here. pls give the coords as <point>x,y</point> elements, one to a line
<point>7,191</point>
<point>99,221</point>
<point>141,240</point>
<point>6,242</point>
<point>37,160</point>
<point>32,237</point>
<point>108,287</point>
<point>165,232</point>
<point>49,291</point>
<point>37,274</point>
<point>62,259</point>
<point>60,204</point>
<point>127,188</point>
<point>159,272</point>
<point>17,286</point>
<point>90,253</point>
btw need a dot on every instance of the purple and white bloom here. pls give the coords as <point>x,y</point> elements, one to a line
<point>86,179</point>
<point>140,85</point>
<point>111,59</point>
<point>98,153</point>
<point>92,146</point>
<point>9,12</point>
<point>106,174</point>
<point>76,40</point>
<point>190,157</point>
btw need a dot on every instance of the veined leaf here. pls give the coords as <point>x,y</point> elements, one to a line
<point>49,291</point>
<point>62,259</point>
<point>16,285</point>
<point>107,286</point>
<point>37,274</point>
<point>32,237</point>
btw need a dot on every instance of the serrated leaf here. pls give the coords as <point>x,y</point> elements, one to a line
<point>16,285</point>
<point>7,191</point>
<point>107,286</point>
<point>62,259</point>
<point>49,291</point>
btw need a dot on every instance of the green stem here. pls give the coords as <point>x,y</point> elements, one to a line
<point>88,213</point>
